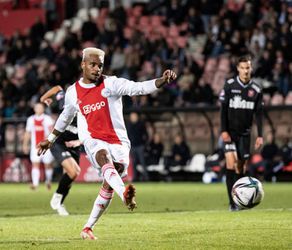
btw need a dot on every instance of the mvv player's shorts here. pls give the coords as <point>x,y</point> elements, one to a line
<point>239,144</point>
<point>61,152</point>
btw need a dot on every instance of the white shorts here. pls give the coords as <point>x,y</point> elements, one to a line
<point>47,158</point>
<point>117,153</point>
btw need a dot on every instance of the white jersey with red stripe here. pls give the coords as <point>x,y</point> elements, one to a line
<point>99,108</point>
<point>39,127</point>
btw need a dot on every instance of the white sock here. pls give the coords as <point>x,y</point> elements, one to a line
<point>113,178</point>
<point>35,176</point>
<point>101,203</point>
<point>49,174</point>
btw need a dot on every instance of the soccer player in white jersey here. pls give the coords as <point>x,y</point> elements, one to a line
<point>38,127</point>
<point>97,100</point>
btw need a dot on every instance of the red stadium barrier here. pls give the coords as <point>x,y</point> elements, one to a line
<point>15,169</point>
<point>22,20</point>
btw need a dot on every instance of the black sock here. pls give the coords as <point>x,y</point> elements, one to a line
<point>230,180</point>
<point>238,176</point>
<point>64,186</point>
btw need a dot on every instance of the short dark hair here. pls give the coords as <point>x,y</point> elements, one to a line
<point>244,58</point>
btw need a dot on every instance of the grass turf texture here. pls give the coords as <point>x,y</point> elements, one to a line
<point>169,216</point>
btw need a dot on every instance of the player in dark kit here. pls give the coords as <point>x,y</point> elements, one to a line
<point>241,99</point>
<point>65,150</point>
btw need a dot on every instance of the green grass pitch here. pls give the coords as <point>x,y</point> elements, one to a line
<point>169,216</point>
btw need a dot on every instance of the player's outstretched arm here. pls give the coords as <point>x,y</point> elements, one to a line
<point>46,97</point>
<point>167,77</point>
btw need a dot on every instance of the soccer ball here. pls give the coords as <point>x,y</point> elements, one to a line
<point>247,192</point>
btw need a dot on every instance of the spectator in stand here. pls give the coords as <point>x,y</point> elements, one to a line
<point>50,8</point>
<point>118,61</point>
<point>195,21</point>
<point>138,137</point>
<point>2,135</point>
<point>154,150</point>
<point>37,31</point>
<point>270,154</point>
<point>89,29</point>
<point>180,153</point>
<point>221,21</point>
<point>286,152</point>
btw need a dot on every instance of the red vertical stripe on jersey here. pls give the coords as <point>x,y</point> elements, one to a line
<point>95,109</point>
<point>39,131</point>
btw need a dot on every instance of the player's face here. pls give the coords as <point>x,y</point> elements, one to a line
<point>92,67</point>
<point>39,109</point>
<point>244,71</point>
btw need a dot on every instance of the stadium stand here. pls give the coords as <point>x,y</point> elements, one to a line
<point>205,37</point>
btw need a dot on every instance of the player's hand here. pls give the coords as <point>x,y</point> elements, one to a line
<point>47,101</point>
<point>169,75</point>
<point>43,146</point>
<point>258,143</point>
<point>225,136</point>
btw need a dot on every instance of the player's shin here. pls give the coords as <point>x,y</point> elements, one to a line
<point>230,180</point>
<point>49,174</point>
<point>113,178</point>
<point>35,176</point>
<point>64,186</point>
<point>101,203</point>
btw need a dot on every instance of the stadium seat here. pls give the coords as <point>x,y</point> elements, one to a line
<point>267,99</point>
<point>160,168</point>
<point>49,36</point>
<point>277,99</point>
<point>156,20</point>
<point>288,99</point>
<point>94,12</point>
<point>197,164</point>
<point>83,14</point>
<point>224,64</point>
<point>76,24</point>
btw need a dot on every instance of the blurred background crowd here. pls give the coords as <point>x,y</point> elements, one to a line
<point>200,40</point>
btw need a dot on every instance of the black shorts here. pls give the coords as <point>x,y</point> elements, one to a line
<point>239,144</point>
<point>61,152</point>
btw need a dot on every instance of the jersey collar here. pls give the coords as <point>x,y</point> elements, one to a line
<point>86,85</point>
<point>242,84</point>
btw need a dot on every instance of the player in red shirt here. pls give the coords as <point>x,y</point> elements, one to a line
<point>38,126</point>
<point>97,100</point>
